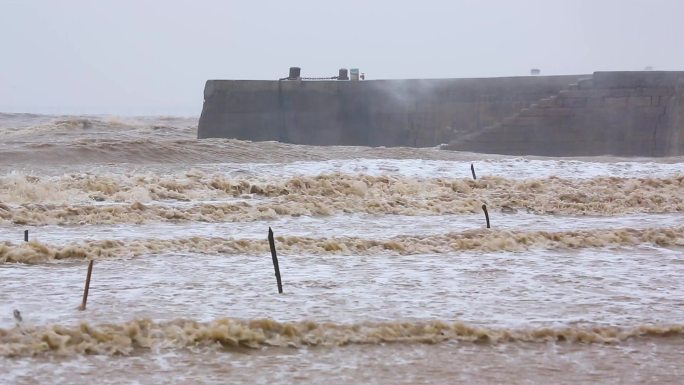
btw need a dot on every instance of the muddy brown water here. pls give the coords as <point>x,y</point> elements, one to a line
<point>390,275</point>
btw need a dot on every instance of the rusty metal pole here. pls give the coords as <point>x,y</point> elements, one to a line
<point>271,243</point>
<point>484,208</point>
<point>87,285</point>
<point>472,169</point>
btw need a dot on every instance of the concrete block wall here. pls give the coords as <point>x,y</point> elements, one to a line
<point>609,113</point>
<point>415,112</point>
<point>675,121</point>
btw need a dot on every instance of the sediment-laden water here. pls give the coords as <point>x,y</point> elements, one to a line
<point>390,274</point>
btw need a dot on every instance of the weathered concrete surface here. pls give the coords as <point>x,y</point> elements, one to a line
<point>675,121</point>
<point>612,113</point>
<point>607,113</point>
<point>370,113</point>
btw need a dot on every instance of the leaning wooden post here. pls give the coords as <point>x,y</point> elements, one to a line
<point>271,243</point>
<point>484,208</point>
<point>472,169</point>
<point>25,235</point>
<point>87,285</point>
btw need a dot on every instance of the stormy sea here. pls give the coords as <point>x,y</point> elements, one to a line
<point>390,274</point>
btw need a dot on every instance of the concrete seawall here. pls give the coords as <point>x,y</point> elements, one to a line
<point>369,113</point>
<point>615,113</point>
<point>618,113</point>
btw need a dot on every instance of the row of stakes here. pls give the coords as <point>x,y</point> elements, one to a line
<point>484,207</point>
<point>271,243</point>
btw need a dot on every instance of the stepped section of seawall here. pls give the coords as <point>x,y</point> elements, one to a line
<point>610,113</point>
<point>414,112</point>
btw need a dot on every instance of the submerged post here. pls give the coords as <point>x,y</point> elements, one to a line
<point>25,235</point>
<point>87,285</point>
<point>472,169</point>
<point>484,208</point>
<point>271,243</point>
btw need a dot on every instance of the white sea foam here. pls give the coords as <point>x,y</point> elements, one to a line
<point>511,168</point>
<point>364,226</point>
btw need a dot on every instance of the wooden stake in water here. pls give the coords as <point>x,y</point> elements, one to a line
<point>271,243</point>
<point>87,285</point>
<point>472,169</point>
<point>25,235</point>
<point>484,208</point>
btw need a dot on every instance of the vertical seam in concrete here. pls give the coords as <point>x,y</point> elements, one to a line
<point>659,121</point>
<point>283,134</point>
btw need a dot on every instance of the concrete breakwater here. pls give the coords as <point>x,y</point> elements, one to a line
<point>607,113</point>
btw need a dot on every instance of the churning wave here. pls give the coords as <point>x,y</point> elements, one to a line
<point>87,199</point>
<point>143,335</point>
<point>475,240</point>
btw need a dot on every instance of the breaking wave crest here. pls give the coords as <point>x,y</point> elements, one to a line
<point>195,184</point>
<point>143,335</point>
<point>31,126</point>
<point>141,198</point>
<point>478,240</point>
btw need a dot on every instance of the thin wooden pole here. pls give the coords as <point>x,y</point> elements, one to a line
<point>25,235</point>
<point>271,243</point>
<point>87,285</point>
<point>472,169</point>
<point>484,208</point>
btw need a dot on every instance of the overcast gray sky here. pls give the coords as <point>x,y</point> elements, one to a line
<point>152,56</point>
